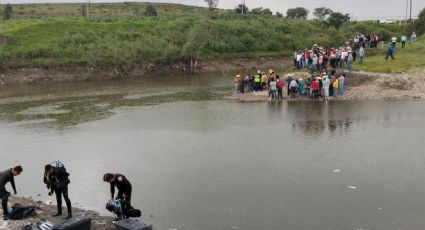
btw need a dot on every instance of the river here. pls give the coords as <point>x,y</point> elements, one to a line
<point>200,161</point>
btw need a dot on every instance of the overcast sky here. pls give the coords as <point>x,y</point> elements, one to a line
<point>358,8</point>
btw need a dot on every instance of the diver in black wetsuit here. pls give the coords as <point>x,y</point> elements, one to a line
<point>57,180</point>
<point>5,177</point>
<point>123,185</point>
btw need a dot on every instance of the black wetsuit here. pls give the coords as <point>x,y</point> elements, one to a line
<point>124,188</point>
<point>5,177</point>
<point>58,182</point>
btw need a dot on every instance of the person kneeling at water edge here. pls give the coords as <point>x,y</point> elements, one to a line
<point>57,179</point>
<point>123,185</point>
<point>5,177</point>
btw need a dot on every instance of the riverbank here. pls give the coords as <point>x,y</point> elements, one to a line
<point>76,74</point>
<point>44,211</point>
<point>365,86</point>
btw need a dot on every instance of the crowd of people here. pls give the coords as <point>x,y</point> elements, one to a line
<point>326,67</point>
<point>328,83</point>
<point>319,58</point>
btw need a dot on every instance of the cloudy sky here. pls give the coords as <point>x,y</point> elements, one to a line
<point>364,9</point>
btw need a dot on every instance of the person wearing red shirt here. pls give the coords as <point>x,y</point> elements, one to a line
<point>315,89</point>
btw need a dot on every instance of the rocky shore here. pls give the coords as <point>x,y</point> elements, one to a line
<point>45,211</point>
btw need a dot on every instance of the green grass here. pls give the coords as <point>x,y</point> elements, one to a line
<point>118,35</point>
<point>99,10</point>
<point>407,58</point>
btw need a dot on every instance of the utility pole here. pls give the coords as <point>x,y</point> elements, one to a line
<point>243,6</point>
<point>407,8</point>
<point>88,10</point>
<point>410,10</point>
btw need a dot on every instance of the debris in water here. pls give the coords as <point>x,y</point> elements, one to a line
<point>337,170</point>
<point>48,202</point>
<point>234,228</point>
<point>351,187</point>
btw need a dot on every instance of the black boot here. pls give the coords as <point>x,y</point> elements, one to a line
<point>59,213</point>
<point>69,213</point>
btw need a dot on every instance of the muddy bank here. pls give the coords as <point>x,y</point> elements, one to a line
<point>45,211</point>
<point>75,74</point>
<point>363,86</point>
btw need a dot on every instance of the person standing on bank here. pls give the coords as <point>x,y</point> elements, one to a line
<point>413,38</point>
<point>57,179</point>
<point>123,185</point>
<point>403,41</point>
<point>5,177</point>
<point>390,51</point>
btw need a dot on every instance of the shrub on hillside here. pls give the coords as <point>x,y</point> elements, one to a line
<point>7,13</point>
<point>420,23</point>
<point>150,11</point>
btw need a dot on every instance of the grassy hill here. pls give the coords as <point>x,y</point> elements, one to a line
<point>102,11</point>
<point>55,35</point>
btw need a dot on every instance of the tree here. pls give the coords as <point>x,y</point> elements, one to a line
<point>150,11</point>
<point>84,11</point>
<point>420,23</point>
<point>241,9</point>
<point>299,13</point>
<point>262,11</point>
<point>196,41</point>
<point>279,15</point>
<point>212,4</point>
<point>267,11</point>
<point>7,13</point>
<point>337,19</point>
<point>322,12</point>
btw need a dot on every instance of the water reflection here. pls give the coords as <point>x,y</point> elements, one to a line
<point>64,105</point>
<point>318,118</point>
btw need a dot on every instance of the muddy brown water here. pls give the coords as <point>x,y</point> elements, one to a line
<point>200,161</point>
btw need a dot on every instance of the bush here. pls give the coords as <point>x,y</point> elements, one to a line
<point>7,13</point>
<point>150,11</point>
<point>420,23</point>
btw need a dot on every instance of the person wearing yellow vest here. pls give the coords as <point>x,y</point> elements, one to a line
<point>257,83</point>
<point>335,86</point>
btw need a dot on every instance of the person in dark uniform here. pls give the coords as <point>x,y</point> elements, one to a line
<point>5,177</point>
<point>123,185</point>
<point>57,179</point>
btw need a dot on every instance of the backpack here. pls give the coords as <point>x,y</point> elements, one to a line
<point>123,210</point>
<point>20,212</point>
<point>60,167</point>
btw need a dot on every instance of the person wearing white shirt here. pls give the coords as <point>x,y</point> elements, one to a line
<point>361,54</point>
<point>294,86</point>
<point>413,38</point>
<point>326,84</point>
<point>299,57</point>
<point>403,41</point>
